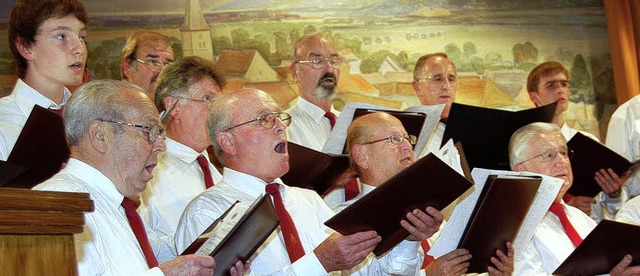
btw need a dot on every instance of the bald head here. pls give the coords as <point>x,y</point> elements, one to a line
<point>379,147</point>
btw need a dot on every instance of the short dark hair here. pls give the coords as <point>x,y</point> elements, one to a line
<point>27,16</point>
<point>543,70</point>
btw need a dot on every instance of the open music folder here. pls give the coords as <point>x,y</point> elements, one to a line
<point>589,156</point>
<point>313,169</point>
<point>505,206</point>
<point>603,249</point>
<point>420,121</point>
<point>485,132</point>
<point>427,182</point>
<point>237,234</point>
<point>41,148</point>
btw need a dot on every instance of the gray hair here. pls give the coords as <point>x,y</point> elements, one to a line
<point>177,77</point>
<point>219,119</point>
<point>95,100</point>
<point>521,137</point>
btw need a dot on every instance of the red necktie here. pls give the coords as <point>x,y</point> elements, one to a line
<point>332,118</point>
<point>427,258</point>
<point>206,171</point>
<point>351,189</point>
<point>138,229</point>
<point>289,232</point>
<point>558,210</point>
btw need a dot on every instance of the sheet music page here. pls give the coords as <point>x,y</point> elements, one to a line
<point>223,228</point>
<point>452,232</point>
<point>449,155</point>
<point>337,139</point>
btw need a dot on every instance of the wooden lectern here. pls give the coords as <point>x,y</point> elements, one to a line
<point>36,231</point>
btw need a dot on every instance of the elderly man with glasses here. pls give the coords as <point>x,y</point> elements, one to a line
<point>541,148</point>
<point>144,55</point>
<point>248,133</point>
<point>114,135</point>
<point>183,92</point>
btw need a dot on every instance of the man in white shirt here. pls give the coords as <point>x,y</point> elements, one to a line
<point>316,70</point>
<point>184,170</point>
<point>541,148</point>
<point>143,56</point>
<point>247,130</point>
<point>435,81</point>
<point>47,42</point>
<point>547,83</point>
<point>114,138</point>
<point>623,136</point>
<point>380,147</point>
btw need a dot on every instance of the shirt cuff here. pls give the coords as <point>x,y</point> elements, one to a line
<point>309,264</point>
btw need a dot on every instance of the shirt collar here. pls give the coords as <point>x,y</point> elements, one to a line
<point>96,180</point>
<point>246,183</point>
<point>182,152</point>
<point>315,112</point>
<point>26,97</point>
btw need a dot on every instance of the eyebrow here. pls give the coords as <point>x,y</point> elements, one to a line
<point>67,28</point>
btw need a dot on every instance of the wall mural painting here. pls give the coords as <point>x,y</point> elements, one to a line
<point>494,44</point>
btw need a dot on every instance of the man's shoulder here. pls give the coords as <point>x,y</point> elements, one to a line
<point>63,182</point>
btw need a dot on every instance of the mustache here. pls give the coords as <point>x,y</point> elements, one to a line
<point>326,76</point>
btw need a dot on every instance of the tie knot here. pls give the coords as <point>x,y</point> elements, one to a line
<point>273,189</point>
<point>557,209</point>
<point>129,204</point>
<point>202,160</point>
<point>331,117</point>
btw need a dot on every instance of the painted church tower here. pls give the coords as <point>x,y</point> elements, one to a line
<point>195,32</point>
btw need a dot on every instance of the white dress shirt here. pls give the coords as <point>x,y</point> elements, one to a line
<point>107,245</point>
<point>308,212</point>
<point>550,245</point>
<point>309,127</point>
<point>623,136</point>
<point>15,110</point>
<point>177,179</point>
<point>630,211</point>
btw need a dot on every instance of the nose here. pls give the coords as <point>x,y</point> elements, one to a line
<point>159,145</point>
<point>78,46</point>
<point>279,125</point>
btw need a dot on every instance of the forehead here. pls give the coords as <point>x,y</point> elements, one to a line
<point>560,76</point>
<point>439,64</point>
<point>544,141</point>
<point>317,46</point>
<point>252,105</point>
<point>68,22</point>
<point>141,110</point>
<point>153,49</point>
<point>205,85</point>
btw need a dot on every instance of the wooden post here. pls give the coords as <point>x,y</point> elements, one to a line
<point>36,231</point>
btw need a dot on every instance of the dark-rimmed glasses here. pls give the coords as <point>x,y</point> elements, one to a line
<point>395,139</point>
<point>267,120</point>
<point>154,65</point>
<point>550,155</point>
<point>318,62</point>
<point>152,131</point>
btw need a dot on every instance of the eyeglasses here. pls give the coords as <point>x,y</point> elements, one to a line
<point>154,65</point>
<point>268,120</point>
<point>551,155</point>
<point>440,79</point>
<point>318,62</point>
<point>152,131</point>
<point>206,99</point>
<point>395,139</point>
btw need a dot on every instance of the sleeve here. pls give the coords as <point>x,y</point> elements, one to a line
<point>196,218</point>
<point>605,207</point>
<point>629,213</point>
<point>619,131</point>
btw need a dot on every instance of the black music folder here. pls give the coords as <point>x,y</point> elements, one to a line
<point>41,148</point>
<point>9,171</point>
<point>497,216</point>
<point>603,249</point>
<point>313,169</point>
<point>485,132</point>
<point>427,182</point>
<point>237,234</point>
<point>589,156</point>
